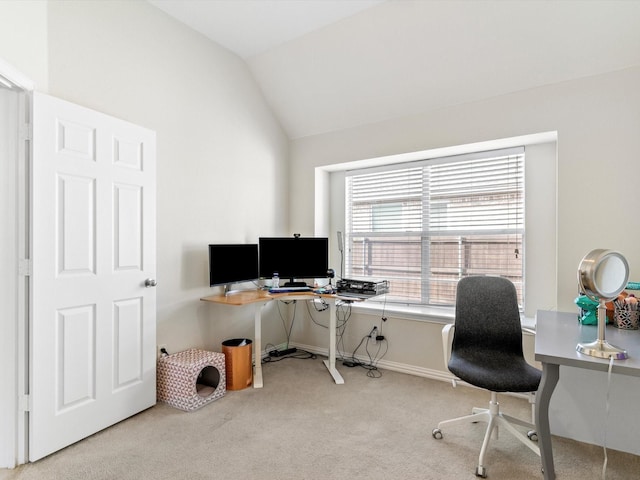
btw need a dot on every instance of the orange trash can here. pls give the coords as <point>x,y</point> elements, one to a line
<point>238,363</point>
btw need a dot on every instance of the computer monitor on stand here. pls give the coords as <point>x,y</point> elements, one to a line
<point>232,263</point>
<point>294,258</point>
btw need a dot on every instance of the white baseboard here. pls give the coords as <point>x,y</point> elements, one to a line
<point>405,368</point>
<point>388,365</point>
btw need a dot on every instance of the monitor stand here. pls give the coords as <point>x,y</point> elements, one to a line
<point>293,283</point>
<point>228,291</point>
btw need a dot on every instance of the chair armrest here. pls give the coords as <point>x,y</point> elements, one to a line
<point>447,340</point>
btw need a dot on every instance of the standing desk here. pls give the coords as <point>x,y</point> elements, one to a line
<point>260,298</point>
<point>557,335</point>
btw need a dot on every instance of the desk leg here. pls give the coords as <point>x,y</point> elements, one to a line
<point>550,375</point>
<point>330,363</point>
<point>257,346</point>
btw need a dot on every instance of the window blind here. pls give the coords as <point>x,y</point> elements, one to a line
<point>424,225</point>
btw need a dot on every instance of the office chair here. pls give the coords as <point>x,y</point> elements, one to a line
<point>487,352</point>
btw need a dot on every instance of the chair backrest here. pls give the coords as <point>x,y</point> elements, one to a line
<point>487,315</point>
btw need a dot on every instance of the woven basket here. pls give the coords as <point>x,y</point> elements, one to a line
<point>191,379</point>
<point>626,317</point>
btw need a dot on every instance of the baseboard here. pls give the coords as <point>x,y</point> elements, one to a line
<point>388,365</point>
<point>405,368</point>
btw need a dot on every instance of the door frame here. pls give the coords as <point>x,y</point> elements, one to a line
<point>14,316</point>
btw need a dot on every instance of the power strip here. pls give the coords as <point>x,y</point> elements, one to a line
<point>282,353</point>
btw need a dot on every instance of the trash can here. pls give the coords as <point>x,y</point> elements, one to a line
<point>238,363</point>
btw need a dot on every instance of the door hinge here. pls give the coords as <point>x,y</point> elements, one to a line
<point>26,131</point>
<point>24,267</point>
<point>25,405</point>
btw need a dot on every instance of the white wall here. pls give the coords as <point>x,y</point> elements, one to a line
<point>222,156</point>
<point>23,38</point>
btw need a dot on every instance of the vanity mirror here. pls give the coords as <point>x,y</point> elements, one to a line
<point>602,275</point>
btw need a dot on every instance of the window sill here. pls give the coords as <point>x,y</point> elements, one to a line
<point>441,315</point>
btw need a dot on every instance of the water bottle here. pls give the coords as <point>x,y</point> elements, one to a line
<point>275,280</point>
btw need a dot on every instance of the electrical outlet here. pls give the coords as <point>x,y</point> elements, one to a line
<point>160,347</point>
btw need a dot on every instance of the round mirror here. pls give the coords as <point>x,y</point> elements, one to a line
<point>603,274</point>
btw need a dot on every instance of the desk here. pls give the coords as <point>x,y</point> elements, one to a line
<point>259,298</point>
<point>557,335</point>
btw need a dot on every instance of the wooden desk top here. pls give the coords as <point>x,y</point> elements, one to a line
<point>246,297</point>
<point>243,297</point>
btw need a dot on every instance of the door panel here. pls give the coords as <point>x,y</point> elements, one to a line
<point>128,227</point>
<point>75,337</point>
<point>92,332</point>
<point>76,225</point>
<point>128,347</point>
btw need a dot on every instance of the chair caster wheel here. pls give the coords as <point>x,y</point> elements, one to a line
<point>437,433</point>
<point>481,472</point>
<point>533,435</point>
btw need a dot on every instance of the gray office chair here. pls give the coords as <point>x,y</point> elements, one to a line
<point>487,352</point>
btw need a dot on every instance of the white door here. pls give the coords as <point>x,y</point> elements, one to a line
<point>92,323</point>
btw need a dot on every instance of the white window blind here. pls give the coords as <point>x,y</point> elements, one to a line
<point>424,225</point>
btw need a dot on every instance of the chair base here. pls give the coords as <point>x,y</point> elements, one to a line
<point>494,419</point>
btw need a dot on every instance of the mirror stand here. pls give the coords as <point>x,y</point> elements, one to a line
<point>601,348</point>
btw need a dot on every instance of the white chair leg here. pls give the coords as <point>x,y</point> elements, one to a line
<point>517,421</point>
<point>494,419</point>
<point>481,471</point>
<point>523,438</point>
<point>481,416</point>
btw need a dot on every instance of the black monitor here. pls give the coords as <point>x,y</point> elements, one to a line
<point>232,263</point>
<point>294,258</point>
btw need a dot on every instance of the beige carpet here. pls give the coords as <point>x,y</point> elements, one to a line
<point>303,426</point>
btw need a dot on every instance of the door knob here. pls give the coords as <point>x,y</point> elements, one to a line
<point>150,282</point>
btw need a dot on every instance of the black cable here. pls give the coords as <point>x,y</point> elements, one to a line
<point>372,365</point>
<point>298,354</point>
<point>343,313</point>
<point>288,332</point>
<point>373,361</point>
<point>338,324</point>
<point>267,349</point>
<point>383,317</point>
<point>344,310</point>
<point>311,315</point>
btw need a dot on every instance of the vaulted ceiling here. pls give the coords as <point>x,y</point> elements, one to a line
<point>326,65</point>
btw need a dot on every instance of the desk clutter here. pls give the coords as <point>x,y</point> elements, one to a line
<point>623,311</point>
<point>191,379</point>
<point>362,288</point>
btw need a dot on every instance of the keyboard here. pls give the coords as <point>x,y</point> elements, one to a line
<point>289,289</point>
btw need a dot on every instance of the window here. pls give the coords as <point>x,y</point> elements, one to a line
<point>424,225</point>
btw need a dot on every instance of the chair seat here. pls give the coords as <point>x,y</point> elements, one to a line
<point>504,374</point>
